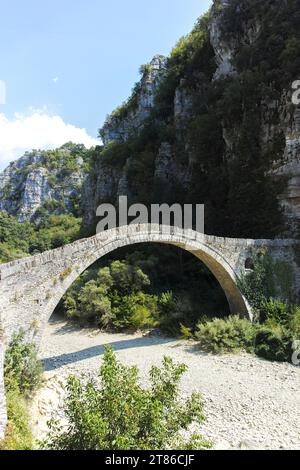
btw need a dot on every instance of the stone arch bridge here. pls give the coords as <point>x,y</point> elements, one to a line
<point>31,288</point>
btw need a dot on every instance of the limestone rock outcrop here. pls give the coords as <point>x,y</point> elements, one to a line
<point>33,182</point>
<point>196,107</point>
<point>119,126</point>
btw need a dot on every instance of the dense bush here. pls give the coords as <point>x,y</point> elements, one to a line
<point>22,376</point>
<point>230,335</point>
<point>54,231</point>
<point>112,297</point>
<point>279,320</point>
<point>277,314</point>
<point>136,311</point>
<point>176,313</point>
<point>22,369</point>
<point>134,293</point>
<point>14,238</point>
<point>273,344</point>
<point>281,326</point>
<point>18,240</point>
<point>258,286</point>
<point>18,434</point>
<point>118,414</point>
<point>271,339</point>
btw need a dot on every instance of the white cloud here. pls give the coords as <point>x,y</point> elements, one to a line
<point>37,131</point>
<point>55,79</point>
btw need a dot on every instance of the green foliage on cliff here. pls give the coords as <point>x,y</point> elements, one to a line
<point>221,139</point>
<point>14,238</point>
<point>66,160</point>
<point>274,52</point>
<point>190,55</point>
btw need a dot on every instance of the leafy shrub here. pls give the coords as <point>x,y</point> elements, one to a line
<point>14,238</point>
<point>229,335</point>
<point>176,311</point>
<point>22,369</point>
<point>276,312</point>
<point>118,414</point>
<point>55,231</point>
<point>280,315</point>
<point>280,321</point>
<point>137,311</point>
<point>273,345</point>
<point>18,435</point>
<point>22,375</point>
<point>169,321</point>
<point>112,297</point>
<point>258,285</point>
<point>294,323</point>
<point>93,303</point>
<point>128,278</point>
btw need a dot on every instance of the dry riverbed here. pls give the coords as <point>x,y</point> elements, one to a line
<point>249,403</point>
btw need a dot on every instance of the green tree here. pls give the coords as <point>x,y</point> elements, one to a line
<point>22,369</point>
<point>118,414</point>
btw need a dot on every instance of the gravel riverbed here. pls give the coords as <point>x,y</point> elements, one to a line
<point>249,403</point>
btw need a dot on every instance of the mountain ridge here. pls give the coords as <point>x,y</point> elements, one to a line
<point>213,123</point>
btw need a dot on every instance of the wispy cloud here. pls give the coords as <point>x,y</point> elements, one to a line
<point>55,80</point>
<point>37,130</point>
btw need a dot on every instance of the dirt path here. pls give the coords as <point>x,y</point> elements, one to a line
<point>249,403</point>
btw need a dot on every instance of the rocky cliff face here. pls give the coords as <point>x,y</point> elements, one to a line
<point>43,180</point>
<point>222,105</point>
<point>278,115</point>
<point>213,123</point>
<point>289,167</point>
<point>130,117</point>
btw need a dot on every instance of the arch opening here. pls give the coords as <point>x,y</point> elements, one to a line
<point>210,257</point>
<point>171,273</point>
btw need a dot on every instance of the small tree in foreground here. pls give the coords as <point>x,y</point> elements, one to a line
<point>22,369</point>
<point>22,376</point>
<point>118,414</point>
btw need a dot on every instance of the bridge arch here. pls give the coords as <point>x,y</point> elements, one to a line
<point>31,288</point>
<point>191,242</point>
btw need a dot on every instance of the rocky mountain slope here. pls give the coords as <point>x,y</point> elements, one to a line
<point>212,123</point>
<point>44,182</point>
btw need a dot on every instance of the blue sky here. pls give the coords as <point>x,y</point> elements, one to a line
<point>78,59</point>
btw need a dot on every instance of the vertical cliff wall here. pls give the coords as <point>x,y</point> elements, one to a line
<point>214,123</point>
